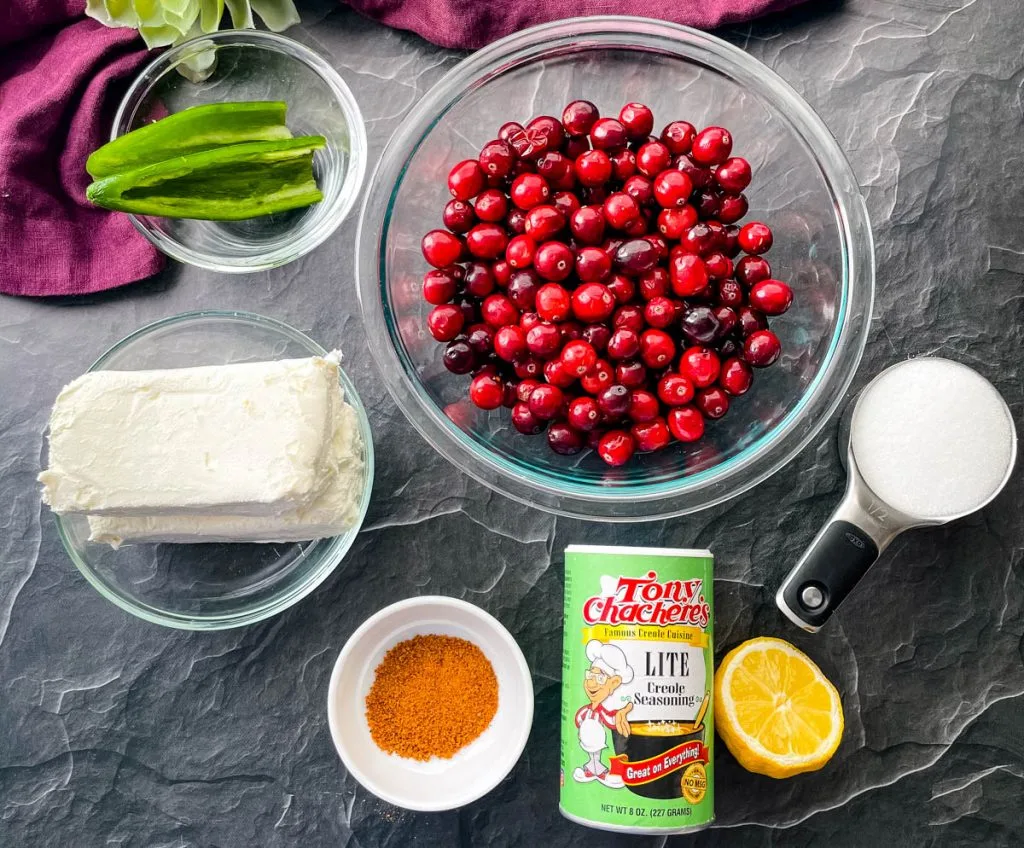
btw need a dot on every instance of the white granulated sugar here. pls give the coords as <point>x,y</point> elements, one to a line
<point>933,439</point>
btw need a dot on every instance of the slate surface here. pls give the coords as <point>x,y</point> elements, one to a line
<point>115,732</point>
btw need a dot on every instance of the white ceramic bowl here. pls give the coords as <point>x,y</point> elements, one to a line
<point>437,784</point>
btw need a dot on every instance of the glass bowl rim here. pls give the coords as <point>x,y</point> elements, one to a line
<point>340,204</point>
<point>642,501</point>
<point>336,547</point>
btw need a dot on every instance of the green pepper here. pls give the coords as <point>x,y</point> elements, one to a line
<point>227,183</point>
<point>190,131</point>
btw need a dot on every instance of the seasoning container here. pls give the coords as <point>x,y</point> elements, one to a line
<point>637,681</point>
<point>430,703</point>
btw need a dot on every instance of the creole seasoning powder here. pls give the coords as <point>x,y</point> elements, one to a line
<point>432,695</point>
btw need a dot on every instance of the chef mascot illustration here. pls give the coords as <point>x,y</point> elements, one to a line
<point>608,671</point>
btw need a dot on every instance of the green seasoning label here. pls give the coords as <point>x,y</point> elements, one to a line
<point>637,680</point>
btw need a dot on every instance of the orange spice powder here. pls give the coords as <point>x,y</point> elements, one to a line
<point>431,696</point>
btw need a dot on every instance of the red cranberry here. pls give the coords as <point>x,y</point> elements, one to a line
<point>578,358</point>
<point>653,158</point>
<point>545,134</point>
<point>522,289</point>
<point>571,330</point>
<point>595,195</point>
<point>700,365</point>
<point>557,169</point>
<point>622,287</point>
<point>597,335</point>
<point>486,241</point>
<point>557,374</point>
<point>736,376</point>
<point>616,447</point>
<point>565,202</point>
<point>601,376</point>
<point>510,342</point>
<point>672,189</point>
<point>487,391</point>
<point>686,423</point>
<point>755,237</point>
<point>479,280</point>
<point>751,320</point>
<point>593,168</point>
<point>520,252</point>
<point>529,320</point>
<point>579,116</point>
<point>688,273</point>
<point>728,320</point>
<point>772,297</point>
<point>498,310</point>
<point>564,440</point>
<point>576,146</point>
<point>553,302</point>
<point>675,390</point>
<point>438,287</point>
<point>731,208</point>
<point>730,293</point>
<point>466,180</point>
<point>491,206</point>
<point>707,204</point>
<point>700,325</point>
<point>713,402</point>
<point>678,137</point>
<point>637,227</point>
<point>660,312</point>
<point>712,146</point>
<point>544,222</point>
<point>510,129</point>
<point>592,264</point>
<point>608,134</point>
<point>659,243</point>
<point>643,405</point>
<point>637,119</point>
<point>657,349</point>
<point>515,221</point>
<point>623,164</point>
<point>528,368</point>
<point>731,241</point>
<point>445,322</point>
<point>752,269</point>
<point>497,158</point>
<point>544,340</point>
<point>546,401</point>
<point>719,266</point>
<point>651,435</point>
<point>620,209</point>
<point>700,177</point>
<point>584,414</point>
<point>441,248</point>
<point>630,316</point>
<point>614,400</point>
<point>525,421</point>
<point>459,357</point>
<point>554,261</point>
<point>623,344</point>
<point>655,283</point>
<point>699,239</point>
<point>593,302</point>
<point>529,190</point>
<point>672,223</point>
<point>636,256</point>
<point>760,348</point>
<point>632,373</point>
<point>587,224</point>
<point>458,216</point>
<point>469,307</point>
<point>733,175</point>
<point>525,389</point>
<point>480,337</point>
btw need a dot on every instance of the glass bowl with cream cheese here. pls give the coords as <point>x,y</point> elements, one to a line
<point>213,585</point>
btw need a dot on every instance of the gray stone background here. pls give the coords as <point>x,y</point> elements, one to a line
<point>115,732</point>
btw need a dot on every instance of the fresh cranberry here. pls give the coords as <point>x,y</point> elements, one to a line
<point>708,203</point>
<point>564,440</point>
<point>491,206</point>
<point>616,447</point>
<point>760,348</point>
<point>601,376</point>
<point>736,376</point>
<point>509,130</point>
<point>522,289</point>
<point>772,297</point>
<point>529,190</point>
<point>672,223</point>
<point>608,134</point>
<point>731,240</point>
<point>565,202</point>
<point>579,116</point>
<point>623,164</point>
<point>643,405</point>
<point>639,188</point>
<point>587,224</point>
<point>657,349</point>
<point>622,287</point>
<point>466,180</point>
<point>592,264</point>
<point>529,320</point>
<point>445,322</point>
<point>733,175</point>
<point>480,337</point>
<point>755,237</point>
<point>598,335</point>
<point>525,421</point>
<point>438,287</point>
<point>638,120</point>
<point>441,248</point>
<point>688,273</point>
<point>672,189</point>
<point>470,308</point>
<point>712,401</point>
<point>752,269</point>
<point>510,342</point>
<point>686,423</point>
<point>699,239</point>
<point>752,320</point>
<point>544,222</point>
<point>557,374</point>
<point>719,265</point>
<point>528,368</point>
<point>655,283</point>
<point>678,137</point>
<point>557,169</point>
<point>593,302</point>
<point>700,325</point>
<point>545,134</point>
<point>637,227</point>
<point>544,340</point>
<point>525,389</point>
<point>459,357</point>
<point>629,316</point>
<point>458,216</point>
<point>554,261</point>
<point>623,344</point>
<point>660,312</point>
<point>614,400</point>
<point>700,177</point>
<point>593,168</point>
<point>487,391</point>
<point>479,279</point>
<point>700,365</point>
<point>651,435</point>
<point>711,146</point>
<point>620,209</point>
<point>631,373</point>
<point>584,414</point>
<point>520,251</point>
<point>731,208</point>
<point>497,158</point>
<point>553,302</point>
<point>546,401</point>
<point>515,221</point>
<point>575,147</point>
<point>486,241</point>
<point>636,256</point>
<point>498,310</point>
<point>578,358</point>
<point>653,158</point>
<point>571,330</point>
<point>728,320</point>
<point>675,390</point>
<point>595,195</point>
<point>730,293</point>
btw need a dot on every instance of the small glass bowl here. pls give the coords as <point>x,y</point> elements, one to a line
<point>247,65</point>
<point>803,187</point>
<point>212,586</point>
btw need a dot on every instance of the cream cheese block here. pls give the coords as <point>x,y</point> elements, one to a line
<point>335,511</point>
<point>250,439</point>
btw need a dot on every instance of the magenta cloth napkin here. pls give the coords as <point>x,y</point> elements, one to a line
<point>474,23</point>
<point>61,77</point>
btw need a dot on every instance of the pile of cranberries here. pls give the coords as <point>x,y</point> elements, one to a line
<point>588,279</point>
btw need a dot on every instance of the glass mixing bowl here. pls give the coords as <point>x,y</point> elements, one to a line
<point>239,65</point>
<point>803,187</point>
<point>212,586</point>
